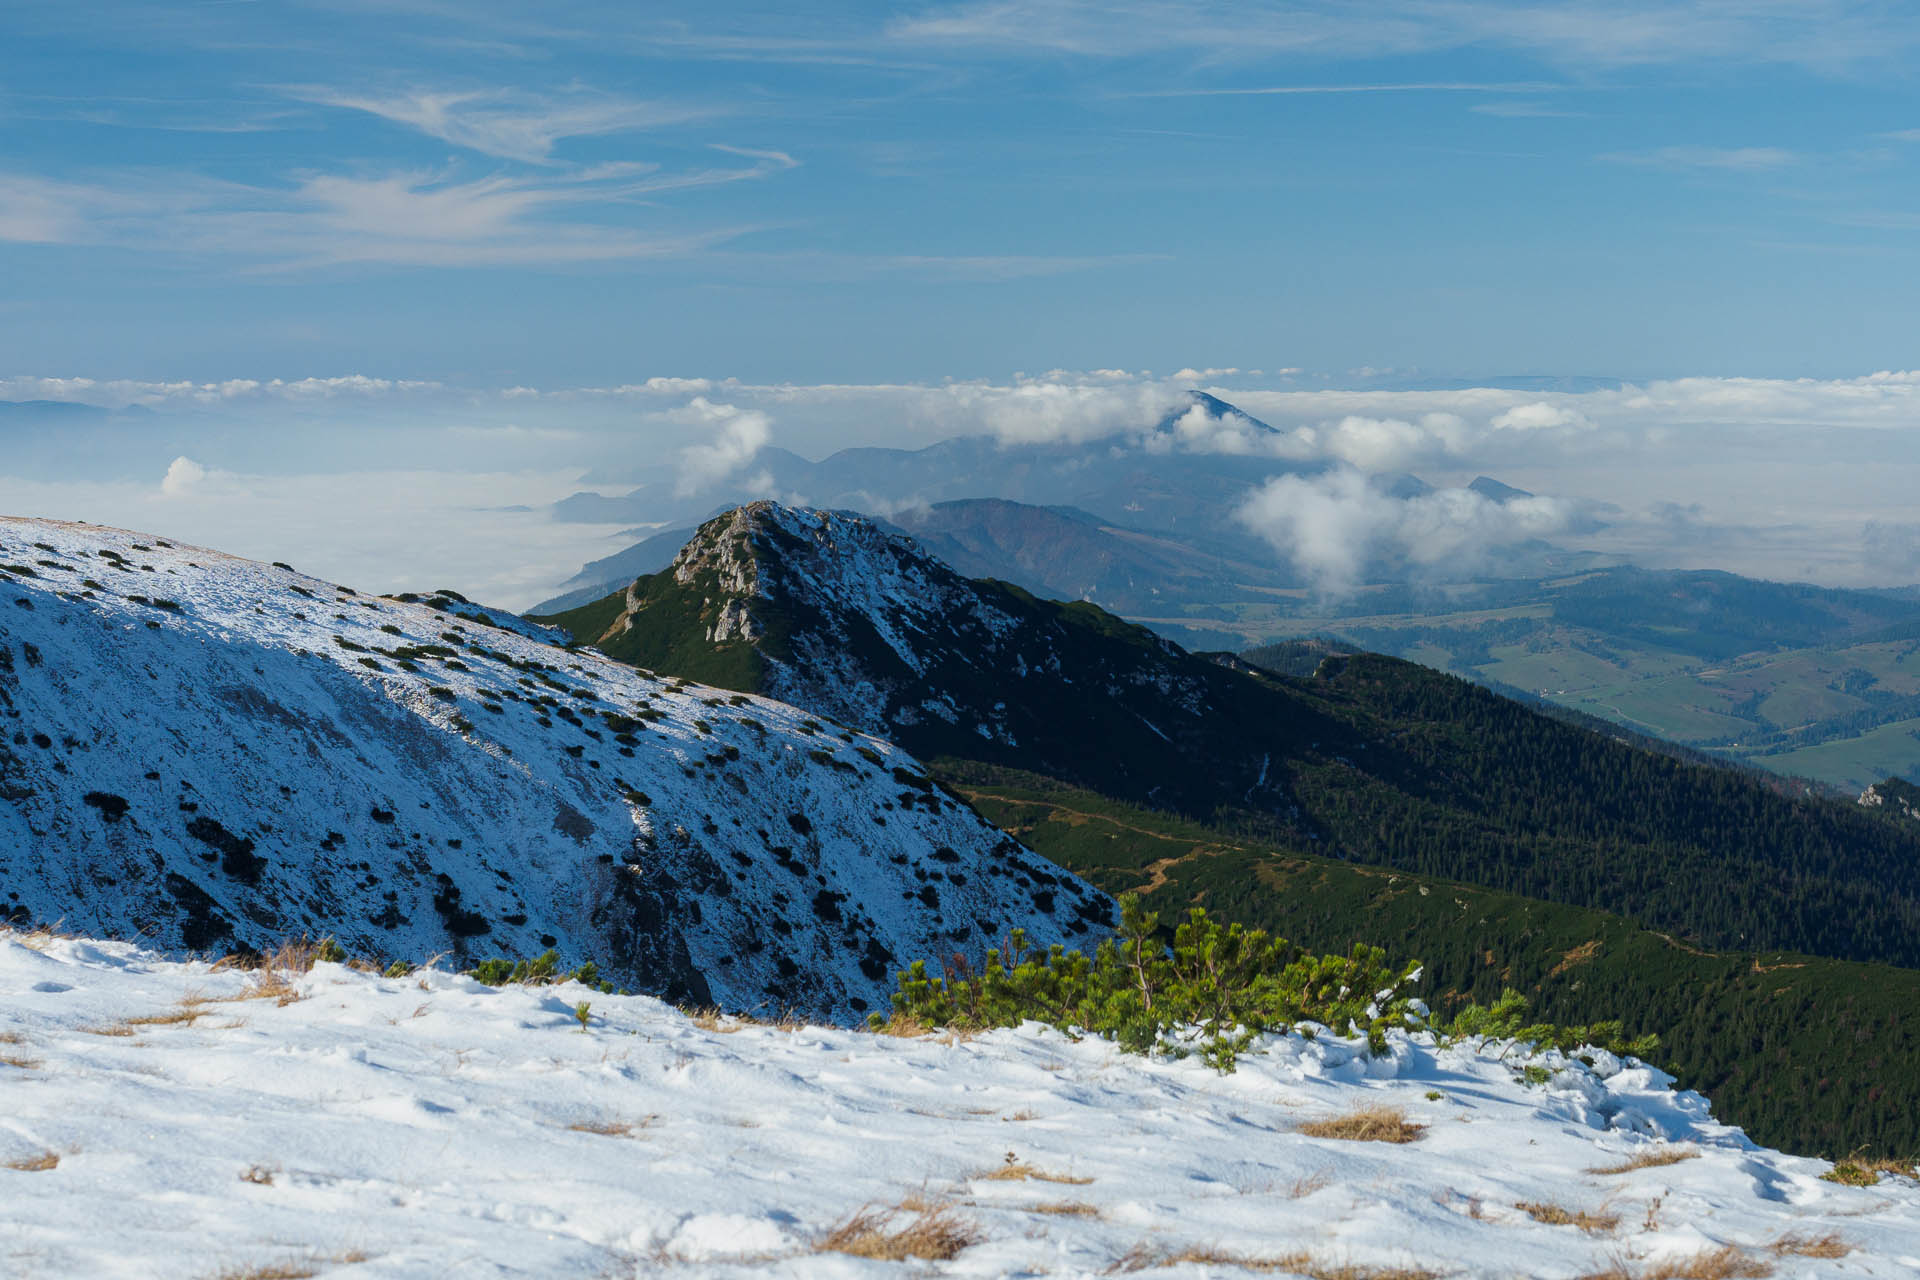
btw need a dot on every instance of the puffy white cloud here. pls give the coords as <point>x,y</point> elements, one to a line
<point>1064,412</point>
<point>1385,444</point>
<point>1334,525</point>
<point>183,476</point>
<point>1200,430</point>
<point>1538,415</point>
<point>738,436</point>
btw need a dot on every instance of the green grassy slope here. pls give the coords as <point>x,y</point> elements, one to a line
<point>1806,1053</point>
<point>668,634</point>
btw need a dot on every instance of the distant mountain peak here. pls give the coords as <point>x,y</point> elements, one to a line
<point>1493,490</point>
<point>1218,408</point>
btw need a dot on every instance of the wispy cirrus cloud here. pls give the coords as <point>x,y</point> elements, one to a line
<point>1824,34</point>
<point>406,218</point>
<point>1524,110</point>
<point>507,123</point>
<point>1310,90</point>
<point>1729,159</point>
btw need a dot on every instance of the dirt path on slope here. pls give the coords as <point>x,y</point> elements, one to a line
<point>1156,871</point>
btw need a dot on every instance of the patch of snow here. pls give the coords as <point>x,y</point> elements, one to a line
<point>428,1126</point>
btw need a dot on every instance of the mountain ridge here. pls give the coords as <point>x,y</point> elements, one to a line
<point>212,753</point>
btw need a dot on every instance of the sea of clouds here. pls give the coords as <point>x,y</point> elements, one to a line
<point>394,484</point>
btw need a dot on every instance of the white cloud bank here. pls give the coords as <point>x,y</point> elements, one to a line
<point>375,530</point>
<point>1789,478</point>
<point>1332,526</point>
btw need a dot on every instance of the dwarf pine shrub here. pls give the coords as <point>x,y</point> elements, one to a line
<point>1213,991</point>
<point>1506,1019</point>
<point>537,972</point>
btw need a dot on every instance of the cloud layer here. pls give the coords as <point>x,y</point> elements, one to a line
<point>1781,478</point>
<point>1333,527</point>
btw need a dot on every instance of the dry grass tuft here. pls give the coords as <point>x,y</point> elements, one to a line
<point>24,1064</point>
<point>294,955</point>
<point>1866,1171</point>
<point>935,1233</point>
<point>611,1128</point>
<point>35,939</point>
<point>34,1164</point>
<point>1318,1180</point>
<point>903,1025</point>
<point>188,1012</point>
<point>1067,1209</point>
<point>1799,1246</point>
<point>274,971</point>
<point>272,984</point>
<point>1558,1216</point>
<point>1146,1257</point>
<point>1353,1271</point>
<point>1020,1171</point>
<point>1724,1263</point>
<point>289,1268</point>
<point>712,1018</point>
<point>1656,1159</point>
<point>1367,1124</point>
<point>111,1029</point>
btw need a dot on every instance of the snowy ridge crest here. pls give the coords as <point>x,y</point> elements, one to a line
<point>209,752</point>
<point>864,625</point>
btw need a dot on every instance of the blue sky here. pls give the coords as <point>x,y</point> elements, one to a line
<point>368,285</point>
<point>560,194</point>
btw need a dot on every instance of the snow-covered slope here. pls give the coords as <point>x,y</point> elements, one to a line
<point>205,751</point>
<point>158,1124</point>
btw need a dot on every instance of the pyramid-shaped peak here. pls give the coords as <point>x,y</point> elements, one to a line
<point>737,545</point>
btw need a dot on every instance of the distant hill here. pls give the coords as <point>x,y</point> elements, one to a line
<point>22,411</point>
<point>1067,554</point>
<point>650,555</point>
<point>1801,680</point>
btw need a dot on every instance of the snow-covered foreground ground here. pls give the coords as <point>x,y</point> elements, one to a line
<point>428,1126</point>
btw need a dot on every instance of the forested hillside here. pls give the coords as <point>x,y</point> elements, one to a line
<point>1806,1053</point>
<point>1370,760</point>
